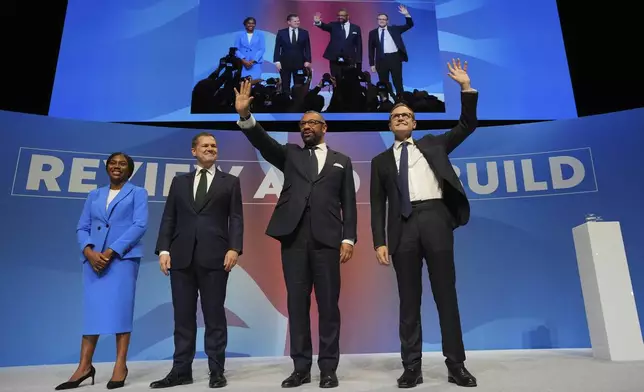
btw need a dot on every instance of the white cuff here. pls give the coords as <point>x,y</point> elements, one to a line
<point>471,90</point>
<point>350,242</point>
<point>248,124</point>
<point>164,252</point>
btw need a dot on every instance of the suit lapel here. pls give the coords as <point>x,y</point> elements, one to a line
<point>125,190</point>
<point>191,189</point>
<point>102,200</point>
<point>303,167</point>
<point>215,186</point>
<point>391,165</point>
<point>427,153</point>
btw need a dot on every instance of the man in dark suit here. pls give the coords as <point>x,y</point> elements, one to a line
<point>292,51</point>
<point>202,229</point>
<point>315,219</point>
<point>426,203</point>
<point>387,50</point>
<point>345,46</point>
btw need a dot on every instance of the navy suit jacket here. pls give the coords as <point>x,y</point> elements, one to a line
<point>202,233</point>
<point>396,32</point>
<point>340,45</point>
<point>292,55</point>
<point>332,193</point>
<point>119,227</point>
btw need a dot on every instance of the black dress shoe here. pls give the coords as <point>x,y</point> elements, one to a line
<point>460,376</point>
<point>172,380</point>
<point>117,384</point>
<point>76,384</point>
<point>410,378</point>
<point>328,380</point>
<point>296,379</point>
<point>217,380</point>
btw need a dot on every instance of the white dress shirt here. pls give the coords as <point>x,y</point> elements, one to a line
<point>110,196</point>
<point>250,37</point>
<point>210,175</point>
<point>423,184</point>
<point>321,151</point>
<point>347,28</point>
<point>390,45</point>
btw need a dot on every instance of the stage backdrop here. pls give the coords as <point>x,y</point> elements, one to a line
<point>517,276</point>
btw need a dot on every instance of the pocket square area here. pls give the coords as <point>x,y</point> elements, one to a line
<point>338,165</point>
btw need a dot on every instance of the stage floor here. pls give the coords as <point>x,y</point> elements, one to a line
<point>496,371</point>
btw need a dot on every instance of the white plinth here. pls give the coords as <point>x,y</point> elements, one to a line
<point>614,328</point>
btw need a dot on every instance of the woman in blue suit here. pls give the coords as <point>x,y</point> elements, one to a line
<point>109,232</point>
<point>251,46</point>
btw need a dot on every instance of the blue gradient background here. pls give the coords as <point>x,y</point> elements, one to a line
<point>138,60</point>
<point>517,275</point>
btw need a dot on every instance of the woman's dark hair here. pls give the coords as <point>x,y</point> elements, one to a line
<point>249,19</point>
<point>130,162</point>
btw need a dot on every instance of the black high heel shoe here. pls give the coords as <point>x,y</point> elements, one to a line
<point>76,384</point>
<point>117,384</point>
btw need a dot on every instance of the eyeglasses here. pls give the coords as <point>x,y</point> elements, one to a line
<point>310,122</point>
<point>404,116</point>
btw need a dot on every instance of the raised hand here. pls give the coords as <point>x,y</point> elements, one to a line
<point>403,10</point>
<point>243,99</point>
<point>317,17</point>
<point>459,73</point>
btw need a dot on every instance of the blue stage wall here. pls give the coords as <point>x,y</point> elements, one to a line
<point>517,276</point>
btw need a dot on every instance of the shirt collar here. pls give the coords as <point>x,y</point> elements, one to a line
<point>211,171</point>
<point>398,143</point>
<point>321,147</point>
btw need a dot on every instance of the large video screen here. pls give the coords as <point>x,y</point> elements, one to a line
<point>178,60</point>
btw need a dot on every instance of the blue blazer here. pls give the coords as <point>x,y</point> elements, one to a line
<point>119,227</point>
<point>253,50</point>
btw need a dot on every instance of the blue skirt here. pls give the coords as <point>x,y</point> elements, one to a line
<point>255,71</point>
<point>108,297</point>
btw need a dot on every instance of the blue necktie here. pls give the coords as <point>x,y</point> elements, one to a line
<point>382,43</point>
<point>403,181</point>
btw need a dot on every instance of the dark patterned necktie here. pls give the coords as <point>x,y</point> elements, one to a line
<point>201,188</point>
<point>293,37</point>
<point>403,181</point>
<point>313,163</point>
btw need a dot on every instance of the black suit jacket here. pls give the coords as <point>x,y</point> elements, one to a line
<point>342,46</point>
<point>332,194</point>
<point>289,55</point>
<point>396,32</point>
<point>202,233</point>
<point>435,149</point>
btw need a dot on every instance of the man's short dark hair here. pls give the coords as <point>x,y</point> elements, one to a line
<point>399,104</point>
<point>195,139</point>
<point>291,16</point>
<point>383,14</point>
